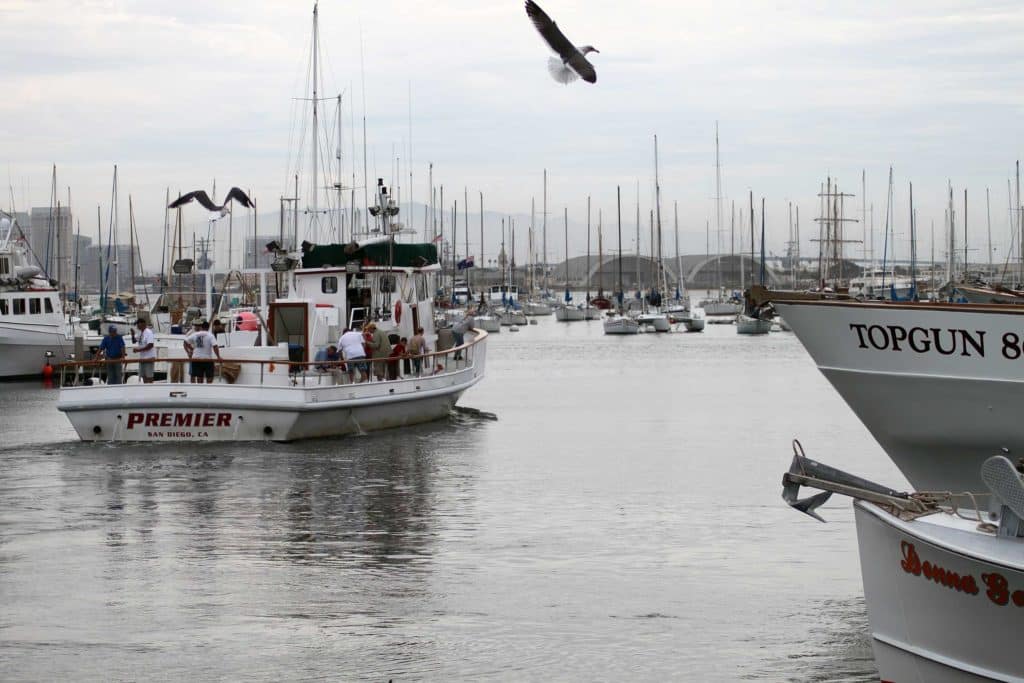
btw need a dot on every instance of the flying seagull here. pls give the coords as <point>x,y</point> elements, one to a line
<point>571,62</point>
<point>200,196</point>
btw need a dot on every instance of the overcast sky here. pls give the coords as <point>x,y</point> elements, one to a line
<point>181,93</point>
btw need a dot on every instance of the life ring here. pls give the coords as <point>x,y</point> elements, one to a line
<point>398,311</point>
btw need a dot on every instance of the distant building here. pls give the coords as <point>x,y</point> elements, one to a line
<point>50,237</point>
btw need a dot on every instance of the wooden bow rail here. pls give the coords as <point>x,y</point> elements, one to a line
<point>75,373</point>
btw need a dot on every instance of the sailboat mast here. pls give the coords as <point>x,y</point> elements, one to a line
<point>565,222</point>
<point>1020,220</point>
<point>117,261</point>
<point>482,261</point>
<point>131,241</point>
<point>600,257</point>
<point>718,213</point>
<point>762,241</point>
<point>965,232</point>
<point>618,206</point>
<point>314,218</point>
<point>465,221</point>
<point>988,215</point>
<point>586,301</point>
<point>751,237</point>
<point>544,236</point>
<point>679,263</point>
<point>533,227</point>
<point>657,207</point>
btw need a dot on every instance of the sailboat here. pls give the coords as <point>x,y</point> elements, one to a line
<point>619,323</point>
<point>567,312</point>
<point>719,304</point>
<point>752,321</point>
<point>656,319</point>
<point>533,306</point>
<point>590,311</point>
<point>678,310</point>
<point>600,301</point>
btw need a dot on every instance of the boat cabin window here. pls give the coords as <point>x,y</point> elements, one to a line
<point>35,306</point>
<point>48,305</point>
<point>5,266</point>
<point>387,283</point>
<point>4,309</point>
<point>19,307</point>
<point>329,285</point>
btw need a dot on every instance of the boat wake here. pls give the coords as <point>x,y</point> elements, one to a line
<point>467,415</point>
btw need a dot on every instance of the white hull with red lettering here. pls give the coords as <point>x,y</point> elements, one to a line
<point>945,600</point>
<point>938,385</point>
<point>272,401</point>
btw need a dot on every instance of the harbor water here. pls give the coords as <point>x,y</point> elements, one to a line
<point>612,512</point>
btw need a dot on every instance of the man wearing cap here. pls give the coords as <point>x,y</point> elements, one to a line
<point>112,350</point>
<point>146,348</point>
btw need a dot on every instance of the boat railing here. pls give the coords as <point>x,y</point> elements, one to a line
<point>279,372</point>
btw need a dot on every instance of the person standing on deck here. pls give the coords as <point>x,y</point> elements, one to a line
<point>417,349</point>
<point>351,343</point>
<point>112,349</point>
<point>146,348</point>
<point>201,347</point>
<point>380,349</point>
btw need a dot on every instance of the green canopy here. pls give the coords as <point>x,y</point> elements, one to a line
<point>397,255</point>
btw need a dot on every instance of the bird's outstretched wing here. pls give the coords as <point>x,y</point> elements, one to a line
<point>550,32</point>
<point>583,67</point>
<point>198,195</point>
<point>239,196</point>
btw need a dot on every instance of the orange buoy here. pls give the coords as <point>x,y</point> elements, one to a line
<point>398,311</point>
<point>47,371</point>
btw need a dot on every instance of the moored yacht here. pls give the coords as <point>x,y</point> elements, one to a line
<point>34,329</point>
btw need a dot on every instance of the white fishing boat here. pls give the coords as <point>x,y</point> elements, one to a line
<point>943,580</point>
<point>280,390</point>
<point>34,330</point>
<point>270,398</point>
<point>951,375</point>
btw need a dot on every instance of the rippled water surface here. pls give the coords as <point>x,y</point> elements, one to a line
<point>620,520</point>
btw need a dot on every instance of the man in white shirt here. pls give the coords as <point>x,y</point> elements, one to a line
<point>201,347</point>
<point>351,344</point>
<point>145,346</point>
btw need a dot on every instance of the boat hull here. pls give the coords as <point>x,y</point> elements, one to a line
<point>939,401</point>
<point>513,318</point>
<point>721,307</point>
<point>221,412</point>
<point>25,348</point>
<point>536,308</point>
<point>621,325</point>
<point>568,314</point>
<point>961,624</point>
<point>656,321</point>
<point>747,325</point>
